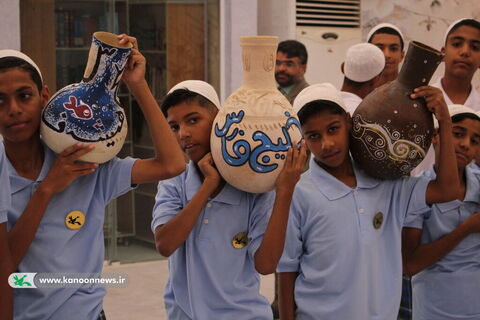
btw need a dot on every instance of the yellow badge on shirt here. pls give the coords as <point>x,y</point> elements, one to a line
<point>240,240</point>
<point>75,220</point>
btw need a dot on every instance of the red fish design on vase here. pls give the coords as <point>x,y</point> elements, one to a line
<point>90,111</point>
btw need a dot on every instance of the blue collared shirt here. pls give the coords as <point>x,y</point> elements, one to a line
<point>348,269</point>
<point>58,249</point>
<point>209,278</point>
<point>450,288</point>
<point>5,186</point>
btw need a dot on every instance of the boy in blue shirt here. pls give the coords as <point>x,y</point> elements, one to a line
<point>441,247</point>
<point>54,190</point>
<point>217,237</point>
<point>5,259</point>
<point>342,258</point>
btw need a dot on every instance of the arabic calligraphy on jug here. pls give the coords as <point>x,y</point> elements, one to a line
<point>89,111</point>
<point>254,129</point>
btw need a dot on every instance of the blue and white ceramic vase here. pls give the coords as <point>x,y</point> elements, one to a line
<point>90,111</point>
<point>256,125</point>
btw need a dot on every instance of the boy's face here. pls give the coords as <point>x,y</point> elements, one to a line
<point>288,70</point>
<point>466,139</point>
<point>327,137</point>
<point>21,105</point>
<point>462,52</point>
<point>192,124</point>
<point>392,50</point>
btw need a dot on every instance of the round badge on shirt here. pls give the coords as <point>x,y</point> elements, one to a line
<point>75,220</point>
<point>240,240</point>
<point>378,220</point>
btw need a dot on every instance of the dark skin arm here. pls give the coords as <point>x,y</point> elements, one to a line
<point>6,268</point>
<point>286,295</point>
<point>171,235</point>
<point>417,256</point>
<point>64,171</point>
<point>271,248</point>
<point>169,160</point>
<point>446,186</point>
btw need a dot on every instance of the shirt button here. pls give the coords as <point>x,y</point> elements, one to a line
<point>205,220</point>
<point>361,210</point>
<point>209,205</point>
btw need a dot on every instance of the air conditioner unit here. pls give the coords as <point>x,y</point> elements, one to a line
<point>327,29</point>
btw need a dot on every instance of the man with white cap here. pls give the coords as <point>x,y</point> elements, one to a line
<point>441,245</point>
<point>218,238</point>
<point>362,68</point>
<point>390,40</point>
<point>342,256</point>
<point>55,222</point>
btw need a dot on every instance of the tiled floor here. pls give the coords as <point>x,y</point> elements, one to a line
<point>143,297</point>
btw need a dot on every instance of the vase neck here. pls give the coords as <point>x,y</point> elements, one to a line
<point>105,65</point>
<point>259,63</point>
<point>420,63</point>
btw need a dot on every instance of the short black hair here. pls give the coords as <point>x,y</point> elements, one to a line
<point>184,95</point>
<point>356,84</point>
<point>462,116</point>
<point>317,106</point>
<point>466,22</point>
<point>294,48</point>
<point>388,30</point>
<point>8,63</point>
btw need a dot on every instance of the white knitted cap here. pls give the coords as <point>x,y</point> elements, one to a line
<point>319,91</point>
<point>363,62</point>
<point>17,54</point>
<point>201,87</point>
<point>385,25</point>
<point>450,27</point>
<point>455,109</point>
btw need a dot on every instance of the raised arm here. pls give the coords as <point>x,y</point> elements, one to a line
<point>174,233</point>
<point>169,160</point>
<point>417,256</point>
<point>63,172</point>
<point>271,248</point>
<point>446,186</point>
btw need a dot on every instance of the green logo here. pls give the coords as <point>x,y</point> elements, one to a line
<point>20,281</point>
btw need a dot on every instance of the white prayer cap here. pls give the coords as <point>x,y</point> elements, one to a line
<point>453,25</point>
<point>363,62</point>
<point>385,25</point>
<point>319,91</point>
<point>455,109</point>
<point>201,87</point>
<point>17,54</point>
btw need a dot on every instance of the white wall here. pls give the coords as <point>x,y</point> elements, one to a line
<point>237,18</point>
<point>10,24</point>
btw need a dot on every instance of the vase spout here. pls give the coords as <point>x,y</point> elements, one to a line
<point>420,63</point>
<point>106,60</point>
<point>258,56</point>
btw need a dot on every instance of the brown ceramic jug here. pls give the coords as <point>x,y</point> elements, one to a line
<point>391,132</point>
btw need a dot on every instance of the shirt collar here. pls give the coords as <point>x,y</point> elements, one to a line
<point>228,194</point>
<point>18,182</point>
<point>334,189</point>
